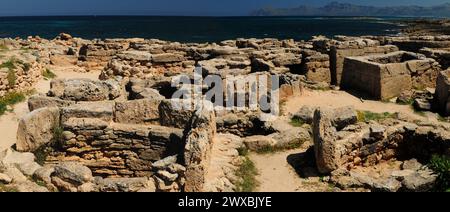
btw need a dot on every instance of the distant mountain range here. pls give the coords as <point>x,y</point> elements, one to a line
<point>345,9</point>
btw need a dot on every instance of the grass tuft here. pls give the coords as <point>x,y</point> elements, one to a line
<point>295,122</point>
<point>365,116</point>
<point>48,74</point>
<point>10,99</point>
<point>441,165</point>
<point>247,172</point>
<point>275,149</point>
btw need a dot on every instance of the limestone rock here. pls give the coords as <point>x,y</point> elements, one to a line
<point>324,135</point>
<point>167,58</point>
<point>305,114</point>
<point>85,89</point>
<point>257,143</point>
<point>135,55</point>
<point>72,173</point>
<point>162,164</point>
<point>137,111</point>
<point>38,101</point>
<point>25,162</point>
<point>37,129</point>
<point>5,179</point>
<point>100,110</point>
<point>171,113</point>
<point>344,116</point>
<point>126,185</point>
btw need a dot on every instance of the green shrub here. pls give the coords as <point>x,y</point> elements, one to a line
<point>47,74</point>
<point>365,116</point>
<point>247,173</point>
<point>10,64</point>
<point>12,78</point>
<point>441,165</point>
<point>243,151</point>
<point>10,99</point>
<point>295,122</point>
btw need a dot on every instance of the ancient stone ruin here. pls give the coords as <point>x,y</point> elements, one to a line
<point>387,76</point>
<point>442,96</point>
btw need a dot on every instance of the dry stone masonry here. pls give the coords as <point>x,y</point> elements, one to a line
<point>386,76</point>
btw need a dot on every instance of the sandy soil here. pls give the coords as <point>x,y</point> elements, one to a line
<point>335,99</point>
<point>277,175</point>
<point>9,121</point>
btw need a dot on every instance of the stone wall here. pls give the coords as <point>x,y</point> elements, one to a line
<point>316,66</point>
<point>124,139</point>
<point>22,77</point>
<point>351,48</point>
<point>368,144</point>
<point>386,76</point>
<point>442,95</point>
<point>440,55</point>
<point>415,43</point>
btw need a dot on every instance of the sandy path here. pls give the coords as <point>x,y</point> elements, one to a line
<point>10,120</point>
<point>335,99</point>
<point>277,175</point>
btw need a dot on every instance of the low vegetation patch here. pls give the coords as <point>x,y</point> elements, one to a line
<point>3,47</point>
<point>10,64</point>
<point>275,149</point>
<point>6,188</point>
<point>441,165</point>
<point>10,99</point>
<point>365,116</point>
<point>295,122</point>
<point>443,119</point>
<point>247,172</point>
<point>48,74</point>
<point>45,150</point>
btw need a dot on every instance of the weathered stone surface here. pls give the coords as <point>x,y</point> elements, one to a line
<point>292,137</point>
<point>198,148</point>
<point>167,58</point>
<point>387,76</point>
<point>324,135</point>
<point>305,114</point>
<point>100,110</point>
<point>161,164</point>
<point>145,111</point>
<point>442,95</point>
<point>85,89</point>
<point>38,101</point>
<point>135,55</point>
<point>25,162</point>
<point>84,124</point>
<point>257,142</point>
<point>126,185</point>
<point>172,113</point>
<point>72,173</point>
<point>44,174</point>
<point>344,116</point>
<point>5,179</point>
<point>37,129</point>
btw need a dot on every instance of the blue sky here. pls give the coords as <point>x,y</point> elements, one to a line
<point>170,7</point>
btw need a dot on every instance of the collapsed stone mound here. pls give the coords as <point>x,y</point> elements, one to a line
<point>351,154</point>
